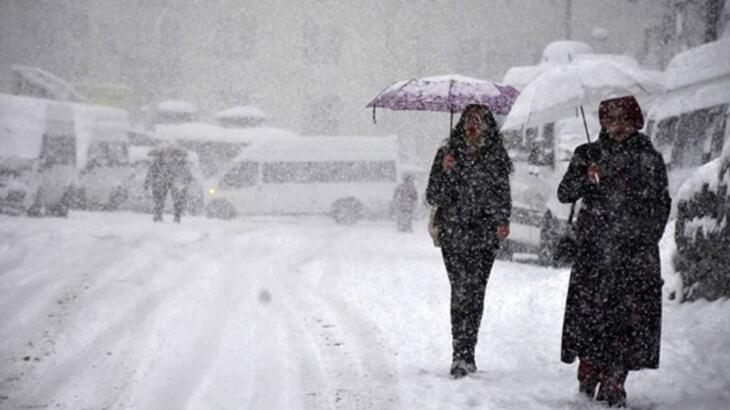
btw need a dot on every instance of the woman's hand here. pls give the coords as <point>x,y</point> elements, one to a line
<point>503,231</point>
<point>593,173</point>
<point>447,163</point>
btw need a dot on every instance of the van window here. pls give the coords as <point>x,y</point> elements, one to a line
<point>107,154</point>
<point>242,174</point>
<point>58,150</point>
<point>329,172</point>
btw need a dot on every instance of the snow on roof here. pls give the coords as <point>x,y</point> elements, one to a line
<point>242,111</point>
<point>323,149</point>
<point>53,86</point>
<point>206,132</point>
<point>177,106</point>
<point>704,63</point>
<point>688,99</point>
<point>520,76</point>
<point>564,51</point>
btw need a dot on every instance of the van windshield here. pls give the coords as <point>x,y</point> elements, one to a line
<point>329,172</point>
<point>241,175</point>
<point>58,150</point>
<point>107,154</point>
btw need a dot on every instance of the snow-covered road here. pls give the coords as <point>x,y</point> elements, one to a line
<point>111,311</point>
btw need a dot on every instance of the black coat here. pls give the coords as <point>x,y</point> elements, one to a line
<point>473,198</point>
<point>613,308</point>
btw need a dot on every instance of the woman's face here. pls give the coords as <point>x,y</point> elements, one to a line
<point>618,123</point>
<point>474,123</point>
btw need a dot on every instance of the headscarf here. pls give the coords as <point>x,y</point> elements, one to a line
<point>628,103</point>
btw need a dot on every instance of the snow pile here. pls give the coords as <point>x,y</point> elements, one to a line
<point>243,111</point>
<point>176,106</point>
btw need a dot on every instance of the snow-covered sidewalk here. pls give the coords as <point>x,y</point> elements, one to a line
<point>112,311</point>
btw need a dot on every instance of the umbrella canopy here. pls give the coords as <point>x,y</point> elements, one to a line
<point>559,92</point>
<point>447,93</point>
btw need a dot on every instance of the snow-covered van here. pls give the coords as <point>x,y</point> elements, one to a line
<point>103,156</point>
<point>689,124</point>
<point>344,177</point>
<point>37,156</point>
<point>59,154</point>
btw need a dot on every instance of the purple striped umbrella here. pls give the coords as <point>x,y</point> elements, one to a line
<point>447,93</point>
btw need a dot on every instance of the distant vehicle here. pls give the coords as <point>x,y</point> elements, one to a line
<point>140,200</point>
<point>215,145</point>
<point>348,178</point>
<point>688,125</point>
<point>38,156</point>
<point>58,155</point>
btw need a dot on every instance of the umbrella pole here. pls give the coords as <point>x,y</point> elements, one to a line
<point>374,121</point>
<point>451,119</point>
<point>585,124</point>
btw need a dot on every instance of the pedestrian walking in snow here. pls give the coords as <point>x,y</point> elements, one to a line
<point>405,197</point>
<point>469,185</point>
<point>169,172</point>
<point>612,320</point>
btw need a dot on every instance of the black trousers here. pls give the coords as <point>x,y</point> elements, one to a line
<point>178,200</point>
<point>468,270</point>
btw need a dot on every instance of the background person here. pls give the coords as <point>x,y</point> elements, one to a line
<point>469,185</point>
<point>612,318</point>
<point>405,198</point>
<point>169,172</point>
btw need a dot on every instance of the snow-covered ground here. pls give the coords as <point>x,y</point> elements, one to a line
<point>111,311</point>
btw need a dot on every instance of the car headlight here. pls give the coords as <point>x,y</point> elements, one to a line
<point>212,191</point>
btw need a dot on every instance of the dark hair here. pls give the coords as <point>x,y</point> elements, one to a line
<point>492,138</point>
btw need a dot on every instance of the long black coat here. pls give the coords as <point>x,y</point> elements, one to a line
<point>473,198</point>
<point>613,308</point>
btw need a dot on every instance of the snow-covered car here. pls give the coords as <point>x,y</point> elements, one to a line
<point>702,232</point>
<point>689,124</point>
<point>140,199</point>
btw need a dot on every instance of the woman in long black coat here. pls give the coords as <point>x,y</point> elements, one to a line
<point>469,185</point>
<point>613,312</point>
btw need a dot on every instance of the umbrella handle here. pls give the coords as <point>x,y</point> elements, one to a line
<point>585,124</point>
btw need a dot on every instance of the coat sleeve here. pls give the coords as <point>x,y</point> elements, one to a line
<point>503,192</point>
<point>439,191</point>
<point>575,184</point>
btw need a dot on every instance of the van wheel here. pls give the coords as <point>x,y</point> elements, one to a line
<point>116,198</point>
<point>347,211</point>
<point>221,209</point>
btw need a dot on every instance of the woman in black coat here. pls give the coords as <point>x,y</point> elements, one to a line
<point>612,318</point>
<point>469,185</point>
